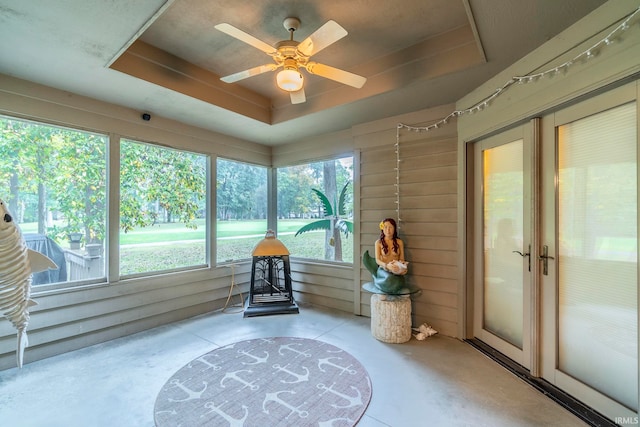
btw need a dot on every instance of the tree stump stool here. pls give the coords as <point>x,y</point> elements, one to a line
<point>391,318</point>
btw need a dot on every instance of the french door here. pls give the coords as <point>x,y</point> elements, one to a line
<point>502,288</point>
<point>559,294</point>
<point>589,289</point>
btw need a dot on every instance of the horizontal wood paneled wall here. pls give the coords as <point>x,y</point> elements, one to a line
<point>323,284</point>
<point>428,195</point>
<point>67,320</point>
<point>428,213</point>
<point>327,146</point>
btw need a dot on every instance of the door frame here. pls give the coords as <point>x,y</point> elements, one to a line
<point>529,132</point>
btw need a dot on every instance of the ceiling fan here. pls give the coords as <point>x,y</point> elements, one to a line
<point>292,56</point>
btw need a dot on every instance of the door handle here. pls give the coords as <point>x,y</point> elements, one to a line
<point>528,254</point>
<point>545,260</point>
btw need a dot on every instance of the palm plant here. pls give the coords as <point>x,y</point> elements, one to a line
<point>333,220</point>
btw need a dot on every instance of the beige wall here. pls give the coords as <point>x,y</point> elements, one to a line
<point>427,208</point>
<point>428,194</point>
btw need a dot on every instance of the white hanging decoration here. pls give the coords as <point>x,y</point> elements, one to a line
<point>585,55</point>
<point>397,184</point>
<point>17,263</point>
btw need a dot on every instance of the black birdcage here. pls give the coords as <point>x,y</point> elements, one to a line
<point>270,291</point>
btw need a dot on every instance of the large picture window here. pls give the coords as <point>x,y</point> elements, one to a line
<point>315,209</point>
<point>241,191</point>
<point>162,209</point>
<point>53,180</point>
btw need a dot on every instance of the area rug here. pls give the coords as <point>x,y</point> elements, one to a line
<point>266,383</point>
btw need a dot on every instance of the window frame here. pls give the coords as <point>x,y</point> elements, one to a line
<point>215,213</point>
<point>103,277</point>
<point>207,258</point>
<point>351,169</point>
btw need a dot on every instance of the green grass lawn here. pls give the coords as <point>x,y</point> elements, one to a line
<point>171,232</point>
<point>145,258</point>
<point>171,245</point>
<point>240,228</point>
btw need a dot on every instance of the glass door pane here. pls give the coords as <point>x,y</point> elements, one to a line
<point>502,235</point>
<point>503,201</point>
<point>597,253</point>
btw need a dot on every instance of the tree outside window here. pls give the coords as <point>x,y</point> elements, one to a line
<point>241,218</point>
<point>315,209</point>
<point>162,209</point>
<point>53,180</point>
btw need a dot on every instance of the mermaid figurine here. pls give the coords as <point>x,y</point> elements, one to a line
<point>389,266</point>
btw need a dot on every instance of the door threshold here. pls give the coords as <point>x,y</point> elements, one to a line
<point>579,409</point>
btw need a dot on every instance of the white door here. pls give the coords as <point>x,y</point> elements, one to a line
<point>588,254</point>
<point>502,284</point>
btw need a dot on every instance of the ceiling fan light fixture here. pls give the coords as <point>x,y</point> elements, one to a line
<point>290,79</point>
<point>292,55</point>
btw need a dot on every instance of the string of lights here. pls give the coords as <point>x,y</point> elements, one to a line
<point>587,54</point>
<point>397,184</point>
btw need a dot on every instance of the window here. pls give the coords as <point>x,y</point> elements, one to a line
<point>162,209</point>
<point>53,181</point>
<point>241,191</point>
<point>315,209</point>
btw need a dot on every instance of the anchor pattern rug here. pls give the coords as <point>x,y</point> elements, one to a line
<point>279,381</point>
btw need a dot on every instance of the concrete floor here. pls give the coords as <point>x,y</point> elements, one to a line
<point>438,382</point>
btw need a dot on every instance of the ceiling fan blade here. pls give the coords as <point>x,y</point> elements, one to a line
<point>336,74</point>
<point>298,97</point>
<point>247,38</point>
<point>232,78</point>
<point>328,34</point>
